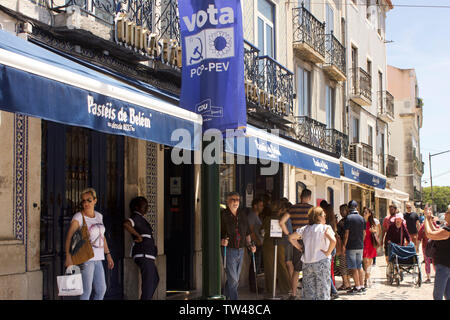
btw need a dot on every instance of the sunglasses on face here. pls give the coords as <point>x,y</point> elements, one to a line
<point>87,200</point>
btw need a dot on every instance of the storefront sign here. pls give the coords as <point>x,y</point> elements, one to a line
<point>213,62</point>
<point>284,151</point>
<point>363,176</point>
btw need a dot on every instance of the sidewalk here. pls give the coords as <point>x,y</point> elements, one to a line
<point>380,289</point>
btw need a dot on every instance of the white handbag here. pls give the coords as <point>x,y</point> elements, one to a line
<point>70,284</point>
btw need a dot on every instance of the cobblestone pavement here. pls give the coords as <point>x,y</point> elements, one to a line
<point>380,289</point>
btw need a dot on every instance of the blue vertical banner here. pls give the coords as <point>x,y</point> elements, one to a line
<point>212,82</point>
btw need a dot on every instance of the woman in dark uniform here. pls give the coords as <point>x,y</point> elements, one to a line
<point>144,250</point>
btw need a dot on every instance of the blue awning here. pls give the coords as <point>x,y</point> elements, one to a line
<point>257,143</point>
<point>363,175</point>
<point>39,83</point>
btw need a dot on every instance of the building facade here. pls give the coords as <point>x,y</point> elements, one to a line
<point>409,117</point>
<point>316,92</point>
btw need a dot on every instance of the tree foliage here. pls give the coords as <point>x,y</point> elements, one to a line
<point>441,197</point>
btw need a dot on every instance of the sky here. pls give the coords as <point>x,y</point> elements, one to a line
<point>421,41</point>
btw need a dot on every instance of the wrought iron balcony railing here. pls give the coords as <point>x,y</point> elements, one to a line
<point>158,16</point>
<point>367,156</point>
<point>316,134</point>
<point>311,132</point>
<point>391,166</point>
<point>385,106</point>
<point>335,62</point>
<point>269,85</point>
<point>337,142</point>
<point>309,40</point>
<point>361,86</point>
<point>418,163</point>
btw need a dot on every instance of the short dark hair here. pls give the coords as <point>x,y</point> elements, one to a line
<point>256,201</point>
<point>233,193</point>
<point>323,204</point>
<point>306,193</point>
<point>136,202</point>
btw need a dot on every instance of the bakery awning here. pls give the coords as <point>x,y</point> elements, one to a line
<point>39,83</point>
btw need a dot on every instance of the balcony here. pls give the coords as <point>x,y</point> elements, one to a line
<point>361,87</point>
<point>419,103</point>
<point>309,40</point>
<point>268,86</point>
<point>335,64</point>
<point>144,29</point>
<point>418,164</point>
<point>337,142</point>
<point>391,166</point>
<point>367,156</point>
<point>385,106</point>
<point>313,133</point>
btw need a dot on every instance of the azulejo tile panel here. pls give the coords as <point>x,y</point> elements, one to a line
<point>20,175</point>
<point>151,182</point>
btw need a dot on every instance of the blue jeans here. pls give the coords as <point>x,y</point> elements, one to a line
<point>441,283</point>
<point>93,277</point>
<point>354,258</point>
<point>233,271</point>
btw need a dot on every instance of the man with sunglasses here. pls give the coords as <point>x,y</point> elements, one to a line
<point>235,235</point>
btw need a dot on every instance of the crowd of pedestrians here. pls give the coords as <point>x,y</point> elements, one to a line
<point>321,245</point>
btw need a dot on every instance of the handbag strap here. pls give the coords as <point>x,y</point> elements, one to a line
<point>85,225</point>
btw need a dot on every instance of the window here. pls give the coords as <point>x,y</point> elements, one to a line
<point>330,106</point>
<point>330,196</point>
<point>370,135</point>
<point>355,130</point>
<point>266,22</point>
<point>369,67</point>
<point>380,88</point>
<point>304,92</point>
<point>354,83</point>
<point>329,22</point>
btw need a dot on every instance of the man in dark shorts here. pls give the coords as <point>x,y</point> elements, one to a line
<point>355,231</point>
<point>299,217</point>
<point>412,224</point>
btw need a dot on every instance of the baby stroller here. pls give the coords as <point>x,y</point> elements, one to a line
<point>403,259</point>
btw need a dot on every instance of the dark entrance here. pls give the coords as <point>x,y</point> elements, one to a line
<point>250,183</point>
<point>178,224</point>
<point>73,159</point>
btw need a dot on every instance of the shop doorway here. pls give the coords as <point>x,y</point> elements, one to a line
<point>73,159</point>
<point>250,183</point>
<point>178,224</point>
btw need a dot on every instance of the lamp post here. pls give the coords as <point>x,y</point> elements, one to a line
<point>431,176</point>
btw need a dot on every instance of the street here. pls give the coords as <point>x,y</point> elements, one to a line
<point>380,289</point>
